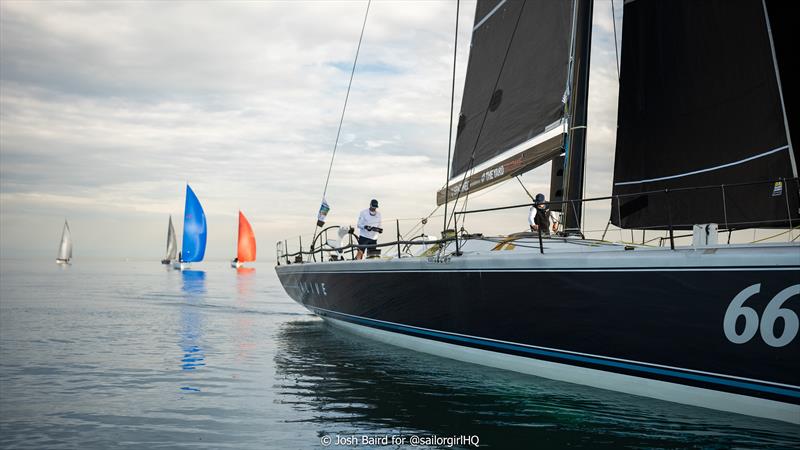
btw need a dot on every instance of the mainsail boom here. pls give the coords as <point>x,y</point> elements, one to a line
<point>532,156</point>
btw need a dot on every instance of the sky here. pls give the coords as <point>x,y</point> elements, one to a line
<point>108,109</point>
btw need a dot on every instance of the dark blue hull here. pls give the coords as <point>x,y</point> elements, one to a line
<point>663,324</point>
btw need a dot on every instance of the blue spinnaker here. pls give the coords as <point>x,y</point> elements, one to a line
<point>194,229</point>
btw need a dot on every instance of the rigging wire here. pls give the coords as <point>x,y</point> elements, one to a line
<point>421,223</point>
<point>478,195</point>
<point>485,115</point>
<point>344,108</point>
<point>463,216</point>
<point>526,189</point>
<point>774,235</point>
<point>452,101</point>
<point>616,49</point>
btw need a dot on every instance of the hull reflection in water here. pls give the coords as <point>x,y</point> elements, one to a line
<point>245,297</point>
<point>351,386</point>
<point>194,289</point>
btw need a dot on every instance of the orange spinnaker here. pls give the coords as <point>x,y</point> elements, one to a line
<point>247,241</point>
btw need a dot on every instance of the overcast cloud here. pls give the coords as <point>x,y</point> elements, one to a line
<point>107,109</point>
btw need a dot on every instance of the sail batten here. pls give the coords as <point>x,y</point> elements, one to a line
<point>516,78</point>
<point>708,169</point>
<point>700,105</point>
<point>489,15</point>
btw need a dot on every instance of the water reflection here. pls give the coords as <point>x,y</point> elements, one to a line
<point>194,289</point>
<point>194,283</point>
<point>245,271</point>
<point>245,296</point>
<point>349,385</point>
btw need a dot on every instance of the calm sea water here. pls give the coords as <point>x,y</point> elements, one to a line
<point>130,354</point>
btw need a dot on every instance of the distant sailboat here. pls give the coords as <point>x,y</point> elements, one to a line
<point>172,245</point>
<point>194,232</point>
<point>65,248</point>
<point>246,249</point>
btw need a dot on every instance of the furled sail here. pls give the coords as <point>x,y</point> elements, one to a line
<point>700,104</point>
<point>194,229</point>
<point>65,248</point>
<point>172,243</point>
<point>246,250</point>
<point>515,89</point>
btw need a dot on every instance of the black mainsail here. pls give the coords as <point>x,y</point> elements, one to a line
<point>700,105</point>
<point>514,91</point>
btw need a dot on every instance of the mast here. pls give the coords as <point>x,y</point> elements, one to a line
<point>578,103</point>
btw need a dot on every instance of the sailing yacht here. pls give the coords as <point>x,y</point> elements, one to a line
<point>172,245</point>
<point>246,243</point>
<point>703,144</point>
<point>65,247</point>
<point>193,245</point>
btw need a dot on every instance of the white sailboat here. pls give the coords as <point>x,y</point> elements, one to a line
<point>65,247</point>
<point>172,245</point>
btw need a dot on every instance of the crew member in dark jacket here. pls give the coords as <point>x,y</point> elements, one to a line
<point>539,216</point>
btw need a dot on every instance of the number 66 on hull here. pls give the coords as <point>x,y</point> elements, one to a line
<point>771,314</point>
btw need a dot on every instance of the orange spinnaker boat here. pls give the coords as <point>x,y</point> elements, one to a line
<point>246,251</point>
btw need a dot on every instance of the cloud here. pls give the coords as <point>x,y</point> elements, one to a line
<point>108,108</point>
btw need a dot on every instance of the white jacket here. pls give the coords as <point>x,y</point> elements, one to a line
<point>367,219</point>
<point>532,216</point>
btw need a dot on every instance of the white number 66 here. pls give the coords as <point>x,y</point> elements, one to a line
<point>771,313</point>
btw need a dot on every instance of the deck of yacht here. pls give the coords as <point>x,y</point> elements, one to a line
<point>527,252</point>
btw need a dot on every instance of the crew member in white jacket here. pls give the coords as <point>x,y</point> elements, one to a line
<point>369,225</point>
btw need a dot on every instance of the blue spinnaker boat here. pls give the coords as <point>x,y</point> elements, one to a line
<point>194,229</point>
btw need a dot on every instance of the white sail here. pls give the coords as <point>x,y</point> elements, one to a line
<point>172,243</point>
<point>65,249</point>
